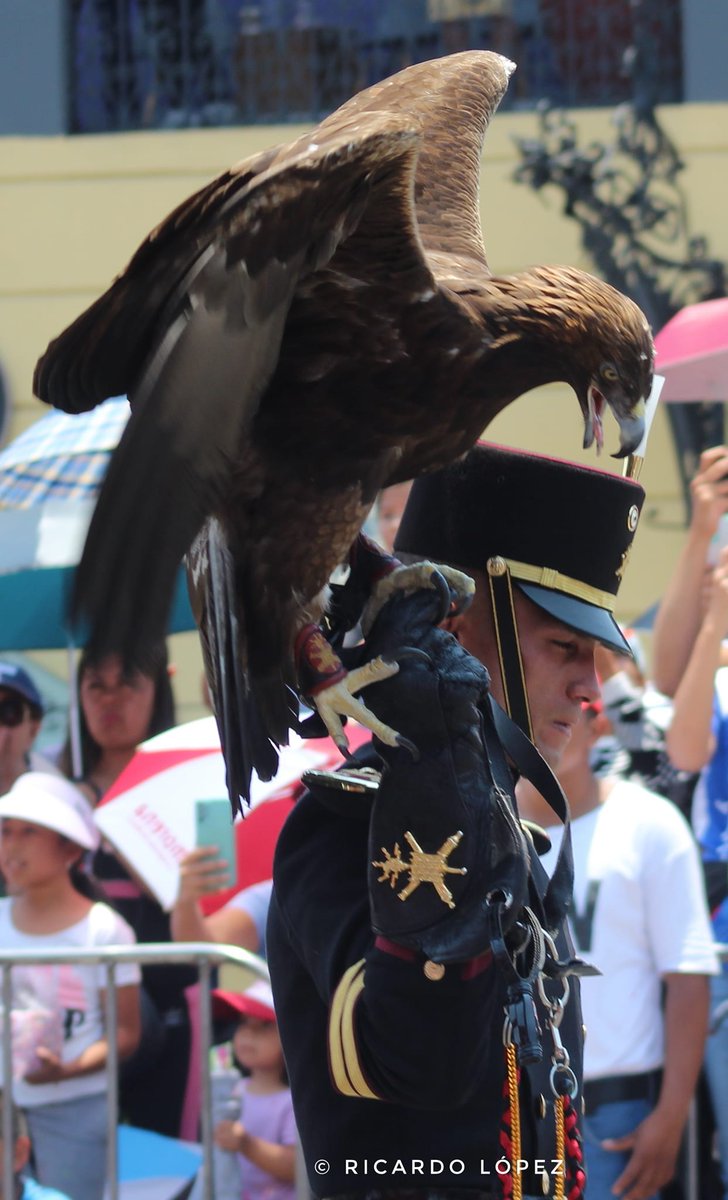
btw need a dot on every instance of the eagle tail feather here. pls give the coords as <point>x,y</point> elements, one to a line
<point>252,721</point>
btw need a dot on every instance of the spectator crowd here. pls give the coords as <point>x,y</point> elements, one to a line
<point>647,777</point>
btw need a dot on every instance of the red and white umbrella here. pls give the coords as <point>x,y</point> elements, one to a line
<point>149,814</point>
<point>692,353</point>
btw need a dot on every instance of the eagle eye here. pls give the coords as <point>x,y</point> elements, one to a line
<point>609,372</point>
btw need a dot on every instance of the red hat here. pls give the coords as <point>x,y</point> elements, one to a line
<point>255,1001</point>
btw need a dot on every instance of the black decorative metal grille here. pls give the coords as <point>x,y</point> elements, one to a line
<point>634,220</point>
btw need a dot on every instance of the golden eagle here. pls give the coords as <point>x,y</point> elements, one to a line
<point>316,323</point>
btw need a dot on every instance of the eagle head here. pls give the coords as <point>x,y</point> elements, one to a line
<point>616,368</point>
<point>574,327</point>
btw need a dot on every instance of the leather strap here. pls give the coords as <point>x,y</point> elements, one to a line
<point>534,767</point>
<point>509,649</point>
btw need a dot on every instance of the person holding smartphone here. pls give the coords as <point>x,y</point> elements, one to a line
<point>207,869</point>
<point>690,665</point>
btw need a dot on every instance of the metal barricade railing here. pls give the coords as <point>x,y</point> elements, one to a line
<point>203,955</point>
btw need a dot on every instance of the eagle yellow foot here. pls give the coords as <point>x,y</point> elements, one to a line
<point>410,579</point>
<point>339,699</point>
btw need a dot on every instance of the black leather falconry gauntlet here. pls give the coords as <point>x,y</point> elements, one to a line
<point>447,853</point>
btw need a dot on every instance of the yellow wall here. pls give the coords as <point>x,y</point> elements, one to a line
<point>74,209</point>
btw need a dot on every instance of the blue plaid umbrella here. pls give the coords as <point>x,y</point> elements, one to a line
<point>63,456</point>
<point>39,548</point>
<point>49,480</point>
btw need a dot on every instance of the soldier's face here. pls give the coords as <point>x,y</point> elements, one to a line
<point>558,664</point>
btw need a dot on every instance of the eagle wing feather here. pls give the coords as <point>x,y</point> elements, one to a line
<point>217,337</point>
<point>454,101</point>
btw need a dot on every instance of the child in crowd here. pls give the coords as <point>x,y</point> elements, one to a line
<point>24,1188</point>
<point>46,830</point>
<point>264,1135</point>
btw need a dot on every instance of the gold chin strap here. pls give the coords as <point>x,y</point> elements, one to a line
<point>509,648</point>
<point>632,467</point>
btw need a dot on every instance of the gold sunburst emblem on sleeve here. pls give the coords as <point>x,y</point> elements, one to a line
<point>421,867</point>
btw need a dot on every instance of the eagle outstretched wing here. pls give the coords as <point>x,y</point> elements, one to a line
<point>212,329</point>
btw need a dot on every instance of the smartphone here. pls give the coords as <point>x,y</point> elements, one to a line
<point>214,827</point>
<point>719,541</point>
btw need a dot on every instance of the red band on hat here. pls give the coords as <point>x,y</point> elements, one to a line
<point>232,1005</point>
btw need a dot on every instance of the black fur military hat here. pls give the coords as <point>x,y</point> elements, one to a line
<point>563,530</point>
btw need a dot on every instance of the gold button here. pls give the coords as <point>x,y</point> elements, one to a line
<point>544,1183</point>
<point>633,517</point>
<point>433,970</point>
<point>497,566</point>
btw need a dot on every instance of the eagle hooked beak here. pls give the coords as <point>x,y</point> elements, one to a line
<point>631,421</point>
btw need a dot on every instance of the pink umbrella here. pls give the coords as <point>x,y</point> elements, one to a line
<point>692,353</point>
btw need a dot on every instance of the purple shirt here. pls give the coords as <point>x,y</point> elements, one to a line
<point>269,1117</point>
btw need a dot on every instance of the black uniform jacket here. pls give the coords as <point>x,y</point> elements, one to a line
<point>397,1079</point>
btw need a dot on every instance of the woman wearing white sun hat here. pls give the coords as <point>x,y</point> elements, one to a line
<point>46,829</point>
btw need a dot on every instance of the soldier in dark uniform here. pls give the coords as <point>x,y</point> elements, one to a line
<point>386,931</point>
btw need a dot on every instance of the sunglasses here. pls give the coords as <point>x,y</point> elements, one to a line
<point>12,711</point>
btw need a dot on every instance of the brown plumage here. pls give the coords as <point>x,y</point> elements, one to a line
<point>316,323</point>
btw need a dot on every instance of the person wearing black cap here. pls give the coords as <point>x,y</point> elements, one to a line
<point>408,1013</point>
<point>21,712</point>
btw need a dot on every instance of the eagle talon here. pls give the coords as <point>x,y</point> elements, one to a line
<point>442,588</point>
<point>460,604</point>
<point>413,652</point>
<point>405,744</point>
<point>339,699</point>
<point>344,751</point>
<point>410,579</point>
